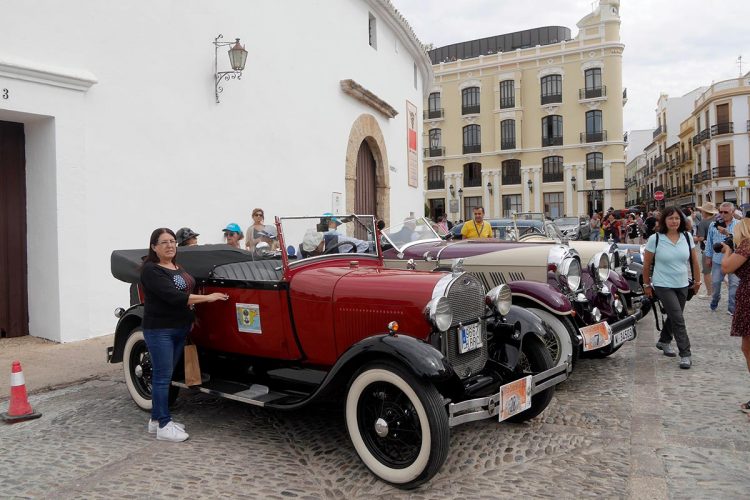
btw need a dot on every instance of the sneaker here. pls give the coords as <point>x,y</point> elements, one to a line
<point>685,363</point>
<point>153,425</point>
<point>171,432</point>
<point>666,349</point>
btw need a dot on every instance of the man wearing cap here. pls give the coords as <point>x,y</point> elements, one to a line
<point>333,222</point>
<point>708,211</point>
<point>186,237</point>
<point>233,234</point>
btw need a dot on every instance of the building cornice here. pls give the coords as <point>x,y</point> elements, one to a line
<point>364,96</point>
<point>47,75</point>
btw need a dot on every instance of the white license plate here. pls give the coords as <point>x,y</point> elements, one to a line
<point>515,397</point>
<point>624,336</point>
<point>469,338</point>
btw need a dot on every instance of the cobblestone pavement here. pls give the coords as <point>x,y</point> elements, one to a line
<point>630,426</point>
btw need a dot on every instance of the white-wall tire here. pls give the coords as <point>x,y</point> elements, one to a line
<point>562,335</point>
<point>134,349</point>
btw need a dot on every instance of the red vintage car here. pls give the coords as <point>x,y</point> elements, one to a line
<point>408,353</point>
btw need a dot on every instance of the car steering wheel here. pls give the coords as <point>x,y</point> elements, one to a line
<point>336,246</point>
<point>531,231</point>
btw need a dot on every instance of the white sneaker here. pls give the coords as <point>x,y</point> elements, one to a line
<point>153,425</point>
<point>171,432</point>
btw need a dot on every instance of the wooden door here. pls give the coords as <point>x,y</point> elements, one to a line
<point>365,201</point>
<point>14,316</point>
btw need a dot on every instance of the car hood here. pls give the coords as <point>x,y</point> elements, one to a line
<point>456,249</point>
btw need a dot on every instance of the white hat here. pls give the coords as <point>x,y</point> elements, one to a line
<point>311,240</point>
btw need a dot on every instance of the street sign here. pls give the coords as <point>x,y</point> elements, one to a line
<point>658,195</point>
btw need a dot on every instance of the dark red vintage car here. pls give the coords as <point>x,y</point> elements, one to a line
<point>409,353</point>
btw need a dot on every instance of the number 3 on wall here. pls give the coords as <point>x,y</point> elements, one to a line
<point>4,93</point>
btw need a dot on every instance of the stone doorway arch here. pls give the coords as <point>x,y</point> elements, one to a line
<point>365,128</point>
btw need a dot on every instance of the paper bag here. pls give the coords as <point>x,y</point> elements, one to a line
<point>192,367</point>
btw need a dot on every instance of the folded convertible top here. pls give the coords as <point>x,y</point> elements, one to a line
<point>197,260</point>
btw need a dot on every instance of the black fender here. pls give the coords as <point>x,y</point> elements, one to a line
<point>131,318</point>
<point>633,273</point>
<point>509,332</point>
<point>422,359</point>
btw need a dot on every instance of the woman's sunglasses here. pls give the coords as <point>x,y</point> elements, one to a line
<point>231,233</point>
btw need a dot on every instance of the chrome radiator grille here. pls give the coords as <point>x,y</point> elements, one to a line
<point>466,297</point>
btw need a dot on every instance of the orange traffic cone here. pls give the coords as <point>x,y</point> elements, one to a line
<point>19,407</point>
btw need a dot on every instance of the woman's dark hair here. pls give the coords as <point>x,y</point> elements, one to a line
<point>152,257</point>
<point>668,212</point>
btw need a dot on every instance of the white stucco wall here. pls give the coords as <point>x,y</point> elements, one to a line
<point>146,145</point>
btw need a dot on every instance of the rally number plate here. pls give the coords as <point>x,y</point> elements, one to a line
<point>515,397</point>
<point>596,336</point>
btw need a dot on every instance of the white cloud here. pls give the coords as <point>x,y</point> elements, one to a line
<point>671,46</point>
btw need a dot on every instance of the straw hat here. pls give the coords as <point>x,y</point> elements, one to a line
<point>708,208</point>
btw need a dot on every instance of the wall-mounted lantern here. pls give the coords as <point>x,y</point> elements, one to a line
<point>237,59</point>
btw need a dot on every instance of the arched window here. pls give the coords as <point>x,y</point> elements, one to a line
<point>595,166</point>
<point>435,177</point>
<point>508,134</point>
<point>552,130</point>
<point>470,100</point>
<point>507,94</point>
<point>436,143</point>
<point>511,172</point>
<point>552,169</point>
<point>473,174</point>
<point>434,109</point>
<point>594,129</point>
<point>472,139</point>
<point>594,86</point>
<point>551,89</point>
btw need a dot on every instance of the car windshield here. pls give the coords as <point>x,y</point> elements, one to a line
<point>412,231</point>
<point>307,237</point>
<point>567,221</point>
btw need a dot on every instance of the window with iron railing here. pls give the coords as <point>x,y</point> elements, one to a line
<point>511,172</point>
<point>470,100</point>
<point>552,130</point>
<point>551,89</point>
<point>473,174</point>
<point>433,106</point>
<point>552,169</point>
<point>507,94</point>
<point>594,87</point>
<point>472,139</point>
<point>508,134</point>
<point>594,128</point>
<point>435,177</point>
<point>594,166</point>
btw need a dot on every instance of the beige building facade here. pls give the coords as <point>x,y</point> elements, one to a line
<point>528,121</point>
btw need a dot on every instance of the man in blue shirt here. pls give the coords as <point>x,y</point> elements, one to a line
<point>718,235</point>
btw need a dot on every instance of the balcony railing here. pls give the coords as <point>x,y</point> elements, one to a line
<point>658,161</point>
<point>593,136</point>
<point>473,148</point>
<point>550,98</point>
<point>657,131</point>
<point>433,152</point>
<point>702,177</point>
<point>722,128</point>
<point>430,114</point>
<point>508,144</point>
<point>556,140</point>
<point>672,192</point>
<point>470,110</point>
<point>511,179</point>
<point>593,92</point>
<point>507,102</point>
<point>727,171</point>
<point>552,177</point>
<point>436,184</point>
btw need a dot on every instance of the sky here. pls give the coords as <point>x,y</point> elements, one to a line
<point>671,46</point>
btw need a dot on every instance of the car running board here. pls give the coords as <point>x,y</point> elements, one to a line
<point>254,394</point>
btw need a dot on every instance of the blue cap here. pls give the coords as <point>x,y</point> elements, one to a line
<point>330,216</point>
<point>235,228</point>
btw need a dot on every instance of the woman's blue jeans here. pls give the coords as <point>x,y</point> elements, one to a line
<point>165,346</point>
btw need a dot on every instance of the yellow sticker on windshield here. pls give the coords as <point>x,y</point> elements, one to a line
<point>248,318</point>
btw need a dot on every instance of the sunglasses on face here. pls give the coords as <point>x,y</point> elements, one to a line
<point>724,212</point>
<point>231,233</point>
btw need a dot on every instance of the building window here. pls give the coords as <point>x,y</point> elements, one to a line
<point>470,100</point>
<point>437,208</point>
<point>552,169</point>
<point>595,166</point>
<point>554,205</point>
<point>594,129</point>
<point>508,134</point>
<point>507,94</point>
<point>436,143</point>
<point>593,83</point>
<point>473,174</point>
<point>470,203</point>
<point>434,109</point>
<point>512,203</point>
<point>435,177</point>
<point>373,32</point>
<point>511,172</point>
<point>472,139</point>
<point>552,130</point>
<point>551,89</point>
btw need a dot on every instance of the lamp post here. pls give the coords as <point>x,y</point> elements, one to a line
<point>237,59</point>
<point>572,196</point>
<point>460,202</point>
<point>489,188</point>
<point>530,185</point>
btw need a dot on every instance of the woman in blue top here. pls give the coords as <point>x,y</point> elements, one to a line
<point>670,250</point>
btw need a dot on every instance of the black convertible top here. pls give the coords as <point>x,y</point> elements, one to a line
<point>197,260</point>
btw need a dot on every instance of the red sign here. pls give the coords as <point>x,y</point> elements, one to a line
<point>658,195</point>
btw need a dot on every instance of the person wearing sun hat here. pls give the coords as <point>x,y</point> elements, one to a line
<point>186,237</point>
<point>708,211</point>
<point>233,234</point>
<point>333,222</point>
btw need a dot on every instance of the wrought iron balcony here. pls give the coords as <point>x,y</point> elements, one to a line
<point>705,134</point>
<point>433,152</point>
<point>507,102</point>
<point>436,184</point>
<point>552,177</point>
<point>657,131</point>
<point>550,98</point>
<point>593,136</point>
<point>470,110</point>
<point>473,148</point>
<point>430,114</point>
<point>722,128</point>
<point>592,93</point>
<point>703,176</point>
<point>672,192</point>
<point>511,179</point>
<point>658,161</point>
<point>727,171</point>
<point>508,144</point>
<point>472,181</point>
<point>555,140</point>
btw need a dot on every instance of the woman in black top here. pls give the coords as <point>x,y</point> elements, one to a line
<point>167,318</point>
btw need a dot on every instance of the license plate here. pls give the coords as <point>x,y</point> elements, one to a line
<point>596,336</point>
<point>469,338</point>
<point>624,336</point>
<point>515,397</point>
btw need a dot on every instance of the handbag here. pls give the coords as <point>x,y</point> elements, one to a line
<point>691,280</point>
<point>192,366</point>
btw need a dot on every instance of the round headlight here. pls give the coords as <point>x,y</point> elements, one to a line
<point>570,273</point>
<point>599,267</point>
<point>499,299</point>
<point>439,313</point>
<point>618,306</point>
<point>597,314</point>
